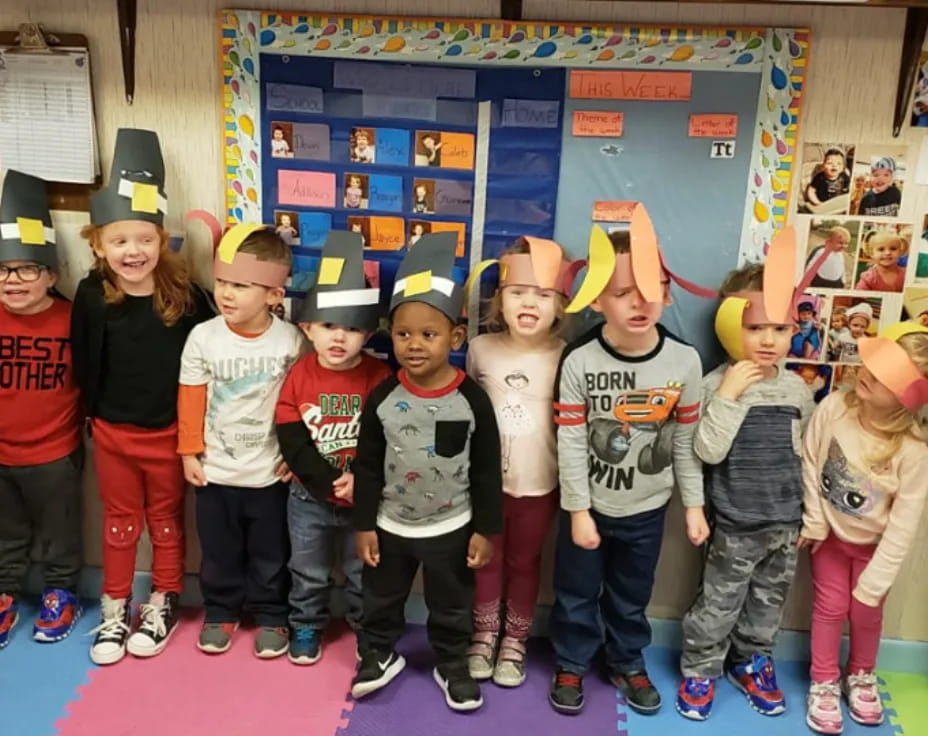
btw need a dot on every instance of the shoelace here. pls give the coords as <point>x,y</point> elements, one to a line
<point>113,627</point>
<point>866,682</point>
<point>152,616</point>
<point>699,687</point>
<point>306,636</point>
<point>826,691</point>
<point>640,681</point>
<point>568,679</point>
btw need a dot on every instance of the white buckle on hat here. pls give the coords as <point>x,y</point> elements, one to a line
<point>347,298</point>
<point>439,283</point>
<point>127,189</point>
<point>10,231</point>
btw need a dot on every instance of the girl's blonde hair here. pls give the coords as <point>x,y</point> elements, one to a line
<point>882,237</point>
<point>172,296</point>
<point>902,422</point>
<point>839,230</point>
<point>494,321</point>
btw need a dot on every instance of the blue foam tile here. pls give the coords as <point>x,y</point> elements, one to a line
<point>38,680</point>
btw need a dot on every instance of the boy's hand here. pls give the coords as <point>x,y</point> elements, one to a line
<point>283,473</point>
<point>697,528</point>
<point>193,470</point>
<point>368,548</point>
<point>583,530</point>
<point>738,377</point>
<point>479,551</point>
<point>812,544</point>
<point>344,487</point>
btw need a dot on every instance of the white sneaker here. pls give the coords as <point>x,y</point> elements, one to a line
<point>158,622</point>
<point>863,698</point>
<point>109,646</point>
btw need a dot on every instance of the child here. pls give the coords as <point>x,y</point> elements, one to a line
<point>431,150</point>
<point>626,405</point>
<point>831,181</point>
<point>231,372</point>
<point>358,227</point>
<point>279,146</point>
<point>884,197</point>
<point>421,203</point>
<point>837,333</point>
<point>285,229</point>
<point>806,342</point>
<point>884,249</point>
<point>859,318</point>
<point>864,465</point>
<point>515,364</point>
<point>362,152</point>
<point>748,438</point>
<point>830,274</point>
<point>428,487</point>
<point>130,319</point>
<point>318,416</point>
<point>41,454</point>
<point>353,192</point>
<point>416,232</point>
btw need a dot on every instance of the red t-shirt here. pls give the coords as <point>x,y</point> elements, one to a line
<point>329,403</point>
<point>39,413</point>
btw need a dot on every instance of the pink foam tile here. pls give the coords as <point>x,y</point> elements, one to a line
<point>184,691</point>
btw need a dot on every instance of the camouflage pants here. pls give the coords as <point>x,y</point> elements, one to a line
<point>744,587</point>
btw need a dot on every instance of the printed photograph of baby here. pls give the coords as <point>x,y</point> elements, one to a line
<point>882,256</point>
<point>361,225</point>
<point>287,226</point>
<point>809,338</point>
<point>282,140</point>
<point>852,317</point>
<point>418,228</point>
<point>428,148</point>
<point>423,196</point>
<point>816,375</point>
<point>879,179</point>
<point>356,191</point>
<point>362,145</point>
<point>915,305</point>
<point>839,238</point>
<point>825,178</point>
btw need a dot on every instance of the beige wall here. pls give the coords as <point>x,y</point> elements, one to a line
<point>850,95</point>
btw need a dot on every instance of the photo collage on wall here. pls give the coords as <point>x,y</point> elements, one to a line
<point>874,270</point>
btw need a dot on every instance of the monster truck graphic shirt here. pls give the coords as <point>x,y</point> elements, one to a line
<point>625,425</point>
<point>243,375</point>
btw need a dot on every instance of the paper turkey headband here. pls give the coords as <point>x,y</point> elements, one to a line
<point>543,267</point>
<point>886,359</point>
<point>644,262</point>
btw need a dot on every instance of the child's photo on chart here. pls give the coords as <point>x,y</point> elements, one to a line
<point>825,178</point>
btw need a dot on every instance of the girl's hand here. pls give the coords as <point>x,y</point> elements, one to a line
<point>812,544</point>
<point>193,470</point>
<point>344,487</point>
<point>368,548</point>
<point>697,528</point>
<point>479,551</point>
<point>583,530</point>
<point>283,473</point>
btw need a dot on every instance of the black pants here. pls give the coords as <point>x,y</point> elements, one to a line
<point>448,584</point>
<point>41,503</point>
<point>245,546</point>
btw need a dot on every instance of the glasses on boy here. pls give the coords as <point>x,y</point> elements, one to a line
<point>23,273</point>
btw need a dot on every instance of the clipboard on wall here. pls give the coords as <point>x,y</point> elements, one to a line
<point>47,122</point>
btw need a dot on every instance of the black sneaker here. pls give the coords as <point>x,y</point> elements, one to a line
<point>158,621</point>
<point>377,669</point>
<point>461,690</point>
<point>566,693</point>
<point>109,644</point>
<point>639,691</point>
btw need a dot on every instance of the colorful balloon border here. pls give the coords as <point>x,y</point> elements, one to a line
<point>779,54</point>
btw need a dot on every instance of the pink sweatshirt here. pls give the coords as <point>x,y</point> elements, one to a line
<point>858,502</point>
<point>870,280</point>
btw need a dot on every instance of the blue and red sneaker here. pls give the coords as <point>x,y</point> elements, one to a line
<point>9,615</point>
<point>758,681</point>
<point>60,611</point>
<point>694,698</point>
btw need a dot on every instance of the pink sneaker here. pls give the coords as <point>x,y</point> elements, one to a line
<point>823,714</point>
<point>863,698</point>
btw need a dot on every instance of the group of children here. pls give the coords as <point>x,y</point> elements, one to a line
<point>877,196</point>
<point>301,459</point>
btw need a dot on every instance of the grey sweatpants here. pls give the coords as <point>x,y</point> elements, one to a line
<point>745,583</point>
<point>41,503</point>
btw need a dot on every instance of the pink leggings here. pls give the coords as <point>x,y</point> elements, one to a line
<point>835,569</point>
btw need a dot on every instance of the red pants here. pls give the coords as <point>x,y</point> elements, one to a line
<point>517,556</point>
<point>140,478</point>
<point>835,569</point>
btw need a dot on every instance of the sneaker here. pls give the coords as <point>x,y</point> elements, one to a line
<point>9,615</point>
<point>694,698</point>
<point>566,693</point>
<point>159,620</point>
<point>216,637</point>
<point>109,645</point>
<point>376,670</point>
<point>462,692</point>
<point>480,655</point>
<point>305,645</point>
<point>823,708</point>
<point>758,681</point>
<point>863,699</point>
<point>510,663</point>
<point>60,611</point>
<point>272,641</point>
<point>639,691</point>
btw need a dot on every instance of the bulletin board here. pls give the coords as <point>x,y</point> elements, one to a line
<point>544,128</point>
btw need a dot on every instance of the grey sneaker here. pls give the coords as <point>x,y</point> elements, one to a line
<point>216,638</point>
<point>510,663</point>
<point>272,641</point>
<point>480,655</point>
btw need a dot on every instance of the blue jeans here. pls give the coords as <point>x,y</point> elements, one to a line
<point>317,531</point>
<point>605,590</point>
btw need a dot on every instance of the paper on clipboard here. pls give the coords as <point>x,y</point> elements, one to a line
<point>46,115</point>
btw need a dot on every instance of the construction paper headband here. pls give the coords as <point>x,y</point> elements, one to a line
<point>26,232</point>
<point>240,268</point>
<point>776,304</point>
<point>648,268</point>
<point>888,361</point>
